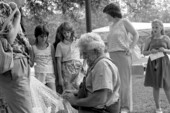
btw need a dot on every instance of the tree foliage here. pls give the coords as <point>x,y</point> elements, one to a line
<point>39,10</point>
<point>54,12</point>
<point>148,10</point>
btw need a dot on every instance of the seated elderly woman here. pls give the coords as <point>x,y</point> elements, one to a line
<point>99,91</point>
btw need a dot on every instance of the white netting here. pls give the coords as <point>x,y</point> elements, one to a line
<point>47,101</point>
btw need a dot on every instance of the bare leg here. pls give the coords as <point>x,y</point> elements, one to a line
<point>156,97</point>
<point>51,86</point>
<point>167,92</point>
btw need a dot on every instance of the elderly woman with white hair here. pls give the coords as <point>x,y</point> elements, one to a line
<point>99,91</point>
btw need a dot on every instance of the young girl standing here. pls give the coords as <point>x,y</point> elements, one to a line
<point>158,70</point>
<point>43,57</point>
<point>69,64</point>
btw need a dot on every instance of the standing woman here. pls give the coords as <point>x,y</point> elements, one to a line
<point>157,71</point>
<point>120,46</point>
<point>15,82</point>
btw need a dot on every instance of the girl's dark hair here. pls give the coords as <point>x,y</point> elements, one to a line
<point>57,37</point>
<point>113,10</point>
<point>40,30</point>
<point>65,26</point>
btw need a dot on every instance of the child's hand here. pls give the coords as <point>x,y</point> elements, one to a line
<point>162,49</point>
<point>153,51</point>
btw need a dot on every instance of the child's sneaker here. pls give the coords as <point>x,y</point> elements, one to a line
<point>159,110</point>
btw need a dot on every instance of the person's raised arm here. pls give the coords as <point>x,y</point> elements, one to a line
<point>14,23</point>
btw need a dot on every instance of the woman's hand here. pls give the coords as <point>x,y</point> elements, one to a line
<point>5,44</point>
<point>13,23</point>
<point>71,98</point>
<point>13,5</point>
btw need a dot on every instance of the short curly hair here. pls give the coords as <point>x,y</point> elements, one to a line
<point>91,41</point>
<point>113,10</point>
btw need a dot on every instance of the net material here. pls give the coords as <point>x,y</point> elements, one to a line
<point>47,101</point>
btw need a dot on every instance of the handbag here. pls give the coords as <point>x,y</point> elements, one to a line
<point>6,59</point>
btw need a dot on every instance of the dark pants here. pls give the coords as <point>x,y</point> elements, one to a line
<point>114,108</point>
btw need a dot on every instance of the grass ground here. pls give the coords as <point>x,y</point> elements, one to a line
<point>142,97</point>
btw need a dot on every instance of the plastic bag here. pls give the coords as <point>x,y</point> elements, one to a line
<point>136,54</point>
<point>47,101</point>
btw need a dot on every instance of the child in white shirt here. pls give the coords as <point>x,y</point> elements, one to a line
<point>43,57</point>
<point>69,64</point>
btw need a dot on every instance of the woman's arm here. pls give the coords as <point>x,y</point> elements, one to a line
<point>14,26</point>
<point>129,28</point>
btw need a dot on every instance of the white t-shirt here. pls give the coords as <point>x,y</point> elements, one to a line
<point>43,60</point>
<point>68,51</point>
